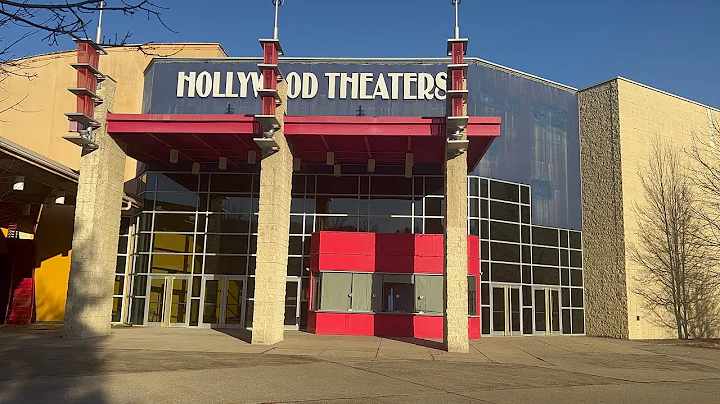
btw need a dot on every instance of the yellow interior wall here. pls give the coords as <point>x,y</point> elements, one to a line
<point>53,242</point>
<point>647,114</point>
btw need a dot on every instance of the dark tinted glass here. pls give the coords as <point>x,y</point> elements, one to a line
<point>576,259</point>
<point>576,278</point>
<point>564,258</point>
<point>225,265</point>
<point>484,208</point>
<point>168,222</point>
<point>525,194</point>
<point>544,236</point>
<point>505,273</point>
<point>504,211</point>
<point>390,224</point>
<point>380,185</point>
<point>485,269</point>
<point>389,206</point>
<point>122,245</point>
<point>434,226</point>
<point>237,183</point>
<point>566,323</point>
<point>575,240</point>
<point>525,214</point>
<point>565,297</point>
<point>545,256</point>
<point>505,252</point>
<point>484,293</point>
<point>526,256</point>
<point>504,191</point>
<point>504,231</point>
<point>527,295</point>
<point>474,207</point>
<point>525,234</point>
<point>563,238</point>
<point>564,276</point>
<point>546,276</point>
<point>578,324</point>
<point>485,229</point>
<point>526,274</point>
<point>485,319</point>
<point>229,223</point>
<point>176,201</point>
<point>434,186</point>
<point>434,206</point>
<point>473,186</point>
<point>227,244</point>
<point>484,188</point>
<point>576,297</point>
<point>474,228</point>
<point>298,184</point>
<point>346,185</point>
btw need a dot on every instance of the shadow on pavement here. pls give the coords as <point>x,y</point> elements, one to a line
<point>419,342</point>
<point>242,335</point>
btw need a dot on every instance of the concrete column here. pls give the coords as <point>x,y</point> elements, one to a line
<point>455,270</point>
<point>273,230</point>
<point>97,225</point>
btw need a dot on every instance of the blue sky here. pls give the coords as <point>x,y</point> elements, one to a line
<point>667,44</point>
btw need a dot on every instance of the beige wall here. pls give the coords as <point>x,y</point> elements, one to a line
<point>38,121</point>
<point>647,114</point>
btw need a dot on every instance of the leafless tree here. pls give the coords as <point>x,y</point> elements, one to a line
<point>676,280</point>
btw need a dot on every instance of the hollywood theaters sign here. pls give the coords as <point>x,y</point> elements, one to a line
<point>305,85</point>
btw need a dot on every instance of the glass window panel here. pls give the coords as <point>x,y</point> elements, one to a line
<point>545,256</point>
<point>231,183</point>
<point>213,301</point>
<point>484,188</point>
<point>305,289</point>
<point>116,310</point>
<point>119,287</point>
<point>434,226</point>
<point>362,290</point>
<point>249,309</point>
<point>576,297</point>
<point>472,296</point>
<point>175,223</point>
<point>296,224</point>
<point>295,245</point>
<point>566,323</point>
<point>474,227</point>
<point>565,297</point>
<point>177,182</point>
<point>434,186</point>
<point>142,264</point>
<point>389,206</point>
<point>504,191</point>
<point>173,243</point>
<point>335,291</point>
<point>563,238</point>
<point>229,223</point>
<point>251,265</point>
<point>485,250</point>
<point>504,211</point>
<point>485,232</point>
<point>473,186</point>
<point>222,203</point>
<point>525,194</point>
<point>196,286</point>
<point>364,185</point>
<point>298,184</point>
<point>145,221</point>
<point>504,231</point>
<point>150,181</point>
<point>526,256</point>
<point>576,278</point>
<point>291,315</point>
<point>227,244</point>
<point>485,293</point>
<point>525,214</point>
<point>172,264</point>
<point>526,274</point>
<point>474,207</point>
<point>253,244</point>
<point>194,312</point>
<point>434,206</point>
<point>564,258</point>
<point>576,259</point>
<point>485,271</point>
<point>294,267</point>
<point>527,320</point>
<point>527,295</point>
<point>484,208</point>
<point>225,264</point>
<point>498,308</point>
<point>505,273</point>
<point>545,236</point>
<point>176,202</point>
<point>485,320</point>
<point>122,245</point>
<point>429,293</point>
<point>120,264</point>
<point>336,204</point>
<point>309,184</point>
<point>525,234</point>
<point>418,226</point>
<point>575,240</point>
<point>307,246</point>
<point>137,316</point>
<point>578,321</point>
<point>204,182</point>
<point>297,204</point>
<point>505,252</point>
<point>309,224</point>
<point>564,276</point>
<point>546,275</point>
<point>345,185</point>
<point>390,185</point>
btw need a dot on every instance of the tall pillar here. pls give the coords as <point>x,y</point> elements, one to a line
<point>97,225</point>
<point>276,170</point>
<point>455,270</point>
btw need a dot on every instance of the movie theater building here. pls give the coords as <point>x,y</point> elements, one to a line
<point>333,200</point>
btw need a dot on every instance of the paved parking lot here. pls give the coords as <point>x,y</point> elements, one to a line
<point>186,365</point>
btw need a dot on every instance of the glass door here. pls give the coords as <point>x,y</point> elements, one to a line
<point>547,311</point>
<point>168,302</point>
<point>506,309</point>
<point>223,305</point>
<point>292,303</point>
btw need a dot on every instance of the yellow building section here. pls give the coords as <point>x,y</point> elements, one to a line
<point>647,114</point>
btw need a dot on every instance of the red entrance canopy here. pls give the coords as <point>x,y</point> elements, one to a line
<point>354,140</point>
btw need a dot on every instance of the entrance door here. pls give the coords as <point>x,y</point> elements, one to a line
<point>506,309</point>
<point>168,303</point>
<point>292,303</point>
<point>546,306</point>
<point>224,302</point>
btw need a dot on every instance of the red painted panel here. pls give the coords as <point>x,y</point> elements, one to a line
<point>344,262</point>
<point>269,79</point>
<point>395,263</point>
<point>388,245</point>
<point>384,325</point>
<point>458,80</point>
<point>270,53</point>
<point>458,52</point>
<point>458,106</point>
<point>474,327</point>
<point>429,265</point>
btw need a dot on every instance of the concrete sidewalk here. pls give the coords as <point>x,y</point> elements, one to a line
<point>190,365</point>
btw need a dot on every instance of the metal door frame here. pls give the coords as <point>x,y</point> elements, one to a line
<point>224,280</point>
<point>508,310</point>
<point>168,279</point>
<point>548,309</point>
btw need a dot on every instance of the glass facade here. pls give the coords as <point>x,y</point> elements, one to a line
<point>195,242</point>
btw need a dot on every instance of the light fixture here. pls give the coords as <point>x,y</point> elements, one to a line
<point>222,164</point>
<point>252,156</point>
<point>60,198</point>
<point>19,183</point>
<point>330,158</point>
<point>371,165</point>
<point>336,170</point>
<point>174,156</point>
<point>196,168</point>
<point>296,164</point>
